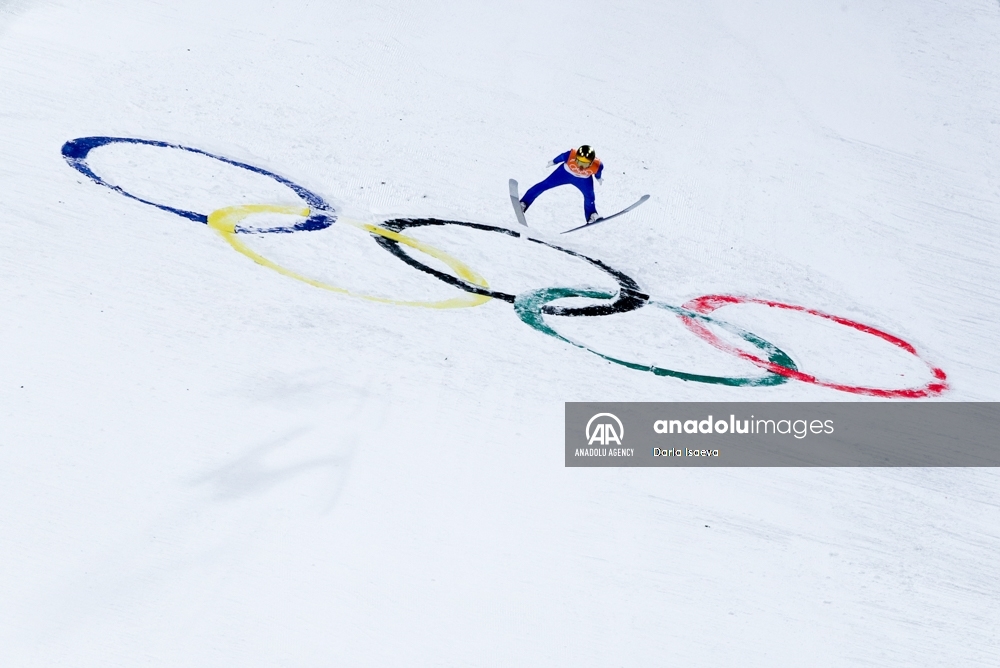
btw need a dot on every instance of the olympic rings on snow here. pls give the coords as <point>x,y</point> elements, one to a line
<point>628,299</point>
<point>225,222</point>
<point>76,152</point>
<point>529,309</point>
<point>533,306</point>
<point>711,303</point>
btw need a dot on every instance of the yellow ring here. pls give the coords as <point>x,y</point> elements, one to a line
<point>225,220</point>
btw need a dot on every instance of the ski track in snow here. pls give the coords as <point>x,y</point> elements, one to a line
<point>205,462</point>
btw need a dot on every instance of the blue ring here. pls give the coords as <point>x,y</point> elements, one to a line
<point>76,151</point>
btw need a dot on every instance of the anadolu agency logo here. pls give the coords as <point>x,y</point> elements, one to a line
<point>604,429</point>
<point>604,432</point>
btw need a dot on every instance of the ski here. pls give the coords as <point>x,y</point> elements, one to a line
<point>614,215</point>
<point>516,201</point>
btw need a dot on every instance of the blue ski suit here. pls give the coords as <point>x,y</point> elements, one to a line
<point>562,176</point>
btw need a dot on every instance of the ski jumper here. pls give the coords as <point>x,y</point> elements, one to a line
<point>569,173</point>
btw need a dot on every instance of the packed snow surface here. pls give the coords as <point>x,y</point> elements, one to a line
<point>210,461</point>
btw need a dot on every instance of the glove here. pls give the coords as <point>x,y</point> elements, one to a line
<point>599,180</point>
<point>549,164</point>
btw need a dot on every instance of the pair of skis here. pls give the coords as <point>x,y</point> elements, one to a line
<point>516,201</point>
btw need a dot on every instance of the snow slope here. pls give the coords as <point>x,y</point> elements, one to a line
<point>206,462</point>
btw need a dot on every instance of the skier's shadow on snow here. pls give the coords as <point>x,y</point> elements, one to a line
<point>251,474</point>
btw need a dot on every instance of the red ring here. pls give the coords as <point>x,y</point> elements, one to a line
<point>709,303</point>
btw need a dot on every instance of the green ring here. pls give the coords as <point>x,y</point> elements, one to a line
<point>529,309</point>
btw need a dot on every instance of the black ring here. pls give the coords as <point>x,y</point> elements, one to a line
<point>630,297</point>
